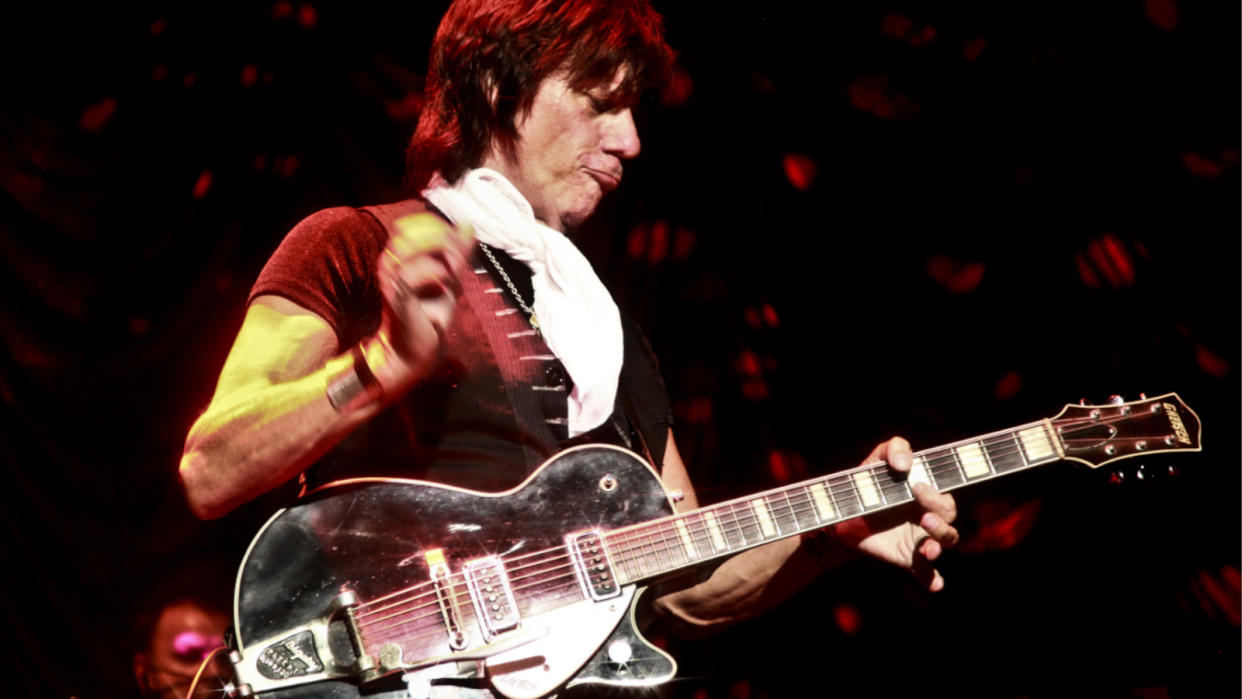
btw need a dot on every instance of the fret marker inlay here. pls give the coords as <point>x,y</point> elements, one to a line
<point>1035,442</point>
<point>823,506</point>
<point>866,489</point>
<point>974,463</point>
<point>760,509</point>
<point>686,541</point>
<point>713,531</point>
<point>918,472</point>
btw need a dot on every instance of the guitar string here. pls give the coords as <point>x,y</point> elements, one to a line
<point>665,544</point>
<point>668,542</point>
<point>1007,434</point>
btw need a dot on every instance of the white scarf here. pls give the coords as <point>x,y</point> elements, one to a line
<point>577,316</point>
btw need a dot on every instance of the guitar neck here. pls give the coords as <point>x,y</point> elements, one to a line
<point>653,549</point>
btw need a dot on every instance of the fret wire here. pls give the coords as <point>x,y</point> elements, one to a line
<point>790,509</point>
<point>1017,443</point>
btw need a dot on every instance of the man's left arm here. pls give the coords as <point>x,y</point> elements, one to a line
<point>757,580</point>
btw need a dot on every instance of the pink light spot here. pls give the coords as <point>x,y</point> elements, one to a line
<point>1120,258</point>
<point>406,109</point>
<point>756,389</point>
<point>800,170</point>
<point>777,467</point>
<point>896,26</point>
<point>1001,525</point>
<point>923,37</point>
<point>679,89</point>
<point>699,411</point>
<point>1211,363</point>
<point>1200,166</point>
<point>657,249</point>
<point>748,364</point>
<point>286,166</point>
<point>1110,259</point>
<point>1088,275</point>
<point>249,75</point>
<point>973,48</point>
<point>769,315</point>
<point>683,243</point>
<point>957,276</point>
<point>194,644</point>
<point>636,242</point>
<point>848,618</point>
<point>740,690</point>
<point>752,318</point>
<point>202,185</point>
<point>874,94</point>
<point>307,16</point>
<point>1162,13</point>
<point>1009,385</point>
<point>96,116</point>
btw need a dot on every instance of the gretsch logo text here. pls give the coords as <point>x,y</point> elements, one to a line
<point>1176,420</point>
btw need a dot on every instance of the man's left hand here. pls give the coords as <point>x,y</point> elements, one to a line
<point>908,544</point>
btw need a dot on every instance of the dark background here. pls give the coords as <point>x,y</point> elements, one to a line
<point>885,218</point>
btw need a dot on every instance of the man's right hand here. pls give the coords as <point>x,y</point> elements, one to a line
<point>419,278</point>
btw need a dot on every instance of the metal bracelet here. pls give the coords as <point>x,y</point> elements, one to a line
<point>354,388</point>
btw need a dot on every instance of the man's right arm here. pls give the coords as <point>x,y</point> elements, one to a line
<point>270,416</point>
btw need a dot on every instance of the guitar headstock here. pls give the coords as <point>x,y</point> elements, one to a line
<point>1099,434</point>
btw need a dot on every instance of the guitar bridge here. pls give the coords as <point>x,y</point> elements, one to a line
<point>489,588</point>
<point>594,565</point>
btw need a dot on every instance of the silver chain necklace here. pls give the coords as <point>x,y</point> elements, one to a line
<point>530,312</point>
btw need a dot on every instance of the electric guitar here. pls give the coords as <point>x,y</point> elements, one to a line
<point>383,587</point>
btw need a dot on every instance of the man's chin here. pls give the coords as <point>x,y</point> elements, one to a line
<point>573,220</point>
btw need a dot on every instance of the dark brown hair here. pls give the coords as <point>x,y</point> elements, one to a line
<point>511,46</point>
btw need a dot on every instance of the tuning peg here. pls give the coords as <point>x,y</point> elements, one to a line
<point>1082,401</point>
<point>1116,399</point>
<point>1117,477</point>
<point>1173,471</point>
<point>1141,473</point>
<point>1142,396</point>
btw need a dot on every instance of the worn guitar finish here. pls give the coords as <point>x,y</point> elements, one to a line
<point>380,587</point>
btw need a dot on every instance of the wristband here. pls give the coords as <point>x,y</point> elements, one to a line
<point>356,387</point>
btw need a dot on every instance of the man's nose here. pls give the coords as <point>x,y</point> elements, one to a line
<point>621,135</point>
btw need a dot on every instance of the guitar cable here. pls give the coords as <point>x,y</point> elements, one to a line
<point>228,688</point>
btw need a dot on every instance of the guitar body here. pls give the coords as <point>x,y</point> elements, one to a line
<point>377,537</point>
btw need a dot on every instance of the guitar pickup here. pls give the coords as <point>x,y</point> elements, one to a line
<point>593,564</point>
<point>489,588</point>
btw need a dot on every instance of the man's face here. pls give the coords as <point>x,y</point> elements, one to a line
<point>183,637</point>
<point>569,151</point>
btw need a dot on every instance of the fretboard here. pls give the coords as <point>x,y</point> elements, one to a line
<point>659,547</point>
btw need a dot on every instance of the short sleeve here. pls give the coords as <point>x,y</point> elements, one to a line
<point>326,264</point>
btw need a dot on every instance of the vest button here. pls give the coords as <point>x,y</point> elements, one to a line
<point>555,375</point>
